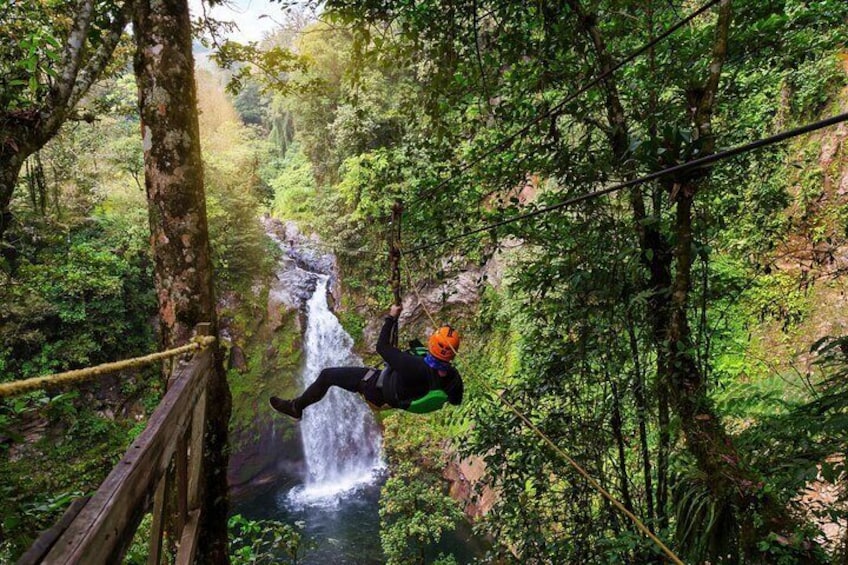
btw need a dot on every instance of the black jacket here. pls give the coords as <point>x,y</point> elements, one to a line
<point>411,377</point>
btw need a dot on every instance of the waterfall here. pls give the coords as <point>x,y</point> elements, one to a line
<point>341,441</point>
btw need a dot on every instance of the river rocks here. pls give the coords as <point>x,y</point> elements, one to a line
<point>307,252</point>
<point>304,258</point>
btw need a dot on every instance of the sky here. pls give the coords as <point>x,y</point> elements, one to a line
<point>245,13</point>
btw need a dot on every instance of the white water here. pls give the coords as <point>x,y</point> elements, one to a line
<point>341,440</point>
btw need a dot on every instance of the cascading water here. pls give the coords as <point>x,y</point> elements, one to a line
<point>341,440</point>
<point>335,503</point>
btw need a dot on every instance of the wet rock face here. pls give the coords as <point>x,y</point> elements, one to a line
<point>303,260</point>
<point>461,291</point>
<point>307,252</point>
<point>266,445</point>
<point>465,476</point>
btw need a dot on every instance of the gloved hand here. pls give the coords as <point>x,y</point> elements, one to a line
<point>395,310</point>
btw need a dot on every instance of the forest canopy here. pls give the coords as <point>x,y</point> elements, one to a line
<point>683,339</point>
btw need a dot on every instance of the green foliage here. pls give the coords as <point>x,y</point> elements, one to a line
<point>705,523</point>
<point>253,542</point>
<point>363,186</point>
<point>249,62</point>
<point>139,549</point>
<point>282,125</point>
<point>234,192</point>
<point>81,300</point>
<point>415,510</point>
<point>80,292</point>
<point>352,321</point>
<point>396,98</point>
<point>32,46</point>
<point>250,104</point>
<point>295,193</point>
<point>69,459</point>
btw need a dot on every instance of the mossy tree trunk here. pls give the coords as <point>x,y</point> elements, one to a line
<point>164,69</point>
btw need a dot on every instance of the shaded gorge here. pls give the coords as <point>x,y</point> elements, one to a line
<point>330,488</point>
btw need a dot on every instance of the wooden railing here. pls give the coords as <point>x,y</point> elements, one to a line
<point>100,529</point>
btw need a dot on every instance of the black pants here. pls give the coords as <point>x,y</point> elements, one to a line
<point>348,378</point>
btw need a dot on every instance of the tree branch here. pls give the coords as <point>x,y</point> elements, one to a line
<point>98,61</point>
<point>72,57</point>
<point>706,102</point>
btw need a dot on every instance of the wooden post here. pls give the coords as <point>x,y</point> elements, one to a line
<point>154,555</point>
<point>104,528</point>
<point>188,541</point>
<point>181,458</point>
<point>198,424</point>
<point>203,329</point>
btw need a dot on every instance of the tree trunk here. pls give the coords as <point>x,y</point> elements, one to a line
<point>705,435</point>
<point>617,430</point>
<point>642,419</point>
<point>656,251</point>
<point>21,135</point>
<point>663,449</point>
<point>10,169</point>
<point>164,69</point>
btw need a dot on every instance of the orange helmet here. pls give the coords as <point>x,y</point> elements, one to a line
<point>444,343</point>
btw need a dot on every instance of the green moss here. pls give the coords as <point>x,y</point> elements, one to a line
<point>353,323</point>
<point>42,480</point>
<point>273,363</point>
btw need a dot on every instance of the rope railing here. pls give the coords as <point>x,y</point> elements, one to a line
<point>23,386</point>
<point>558,450</point>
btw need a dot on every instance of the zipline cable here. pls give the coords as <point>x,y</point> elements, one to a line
<point>504,143</point>
<point>321,247</point>
<point>683,167</point>
<point>558,450</point>
<point>16,388</point>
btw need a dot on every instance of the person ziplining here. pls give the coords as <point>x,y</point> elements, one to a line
<point>410,381</point>
<point>419,380</point>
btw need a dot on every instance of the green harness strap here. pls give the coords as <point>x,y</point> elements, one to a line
<point>430,402</point>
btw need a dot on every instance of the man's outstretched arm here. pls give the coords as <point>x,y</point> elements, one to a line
<point>390,354</point>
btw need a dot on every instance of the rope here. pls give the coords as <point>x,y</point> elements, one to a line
<point>394,250</point>
<point>559,451</point>
<point>16,388</point>
<point>505,143</point>
<point>682,168</point>
<point>394,264</point>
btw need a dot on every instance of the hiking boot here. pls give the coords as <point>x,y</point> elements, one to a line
<point>287,407</point>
